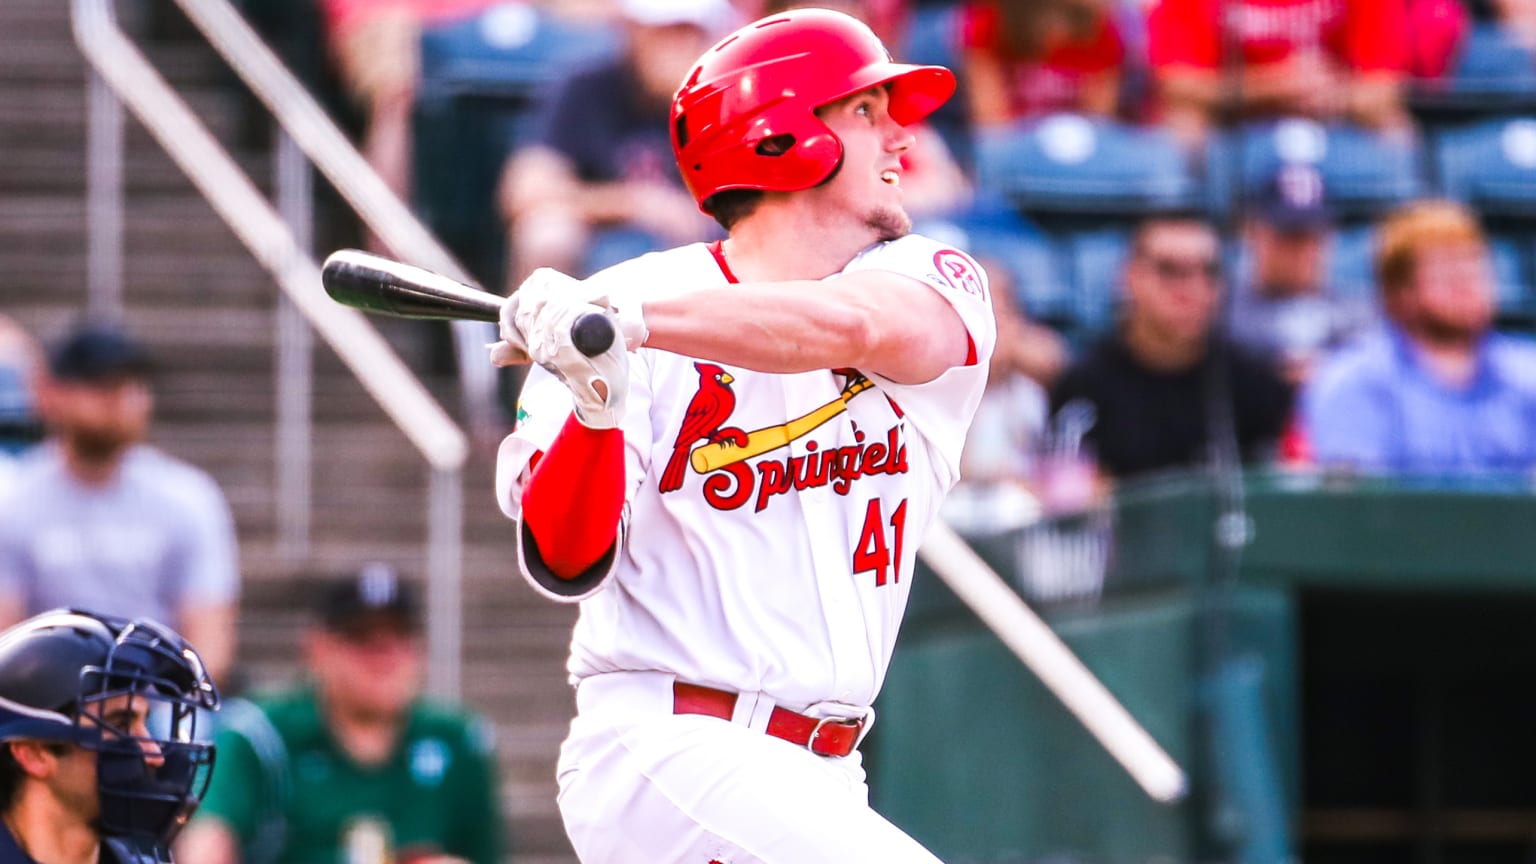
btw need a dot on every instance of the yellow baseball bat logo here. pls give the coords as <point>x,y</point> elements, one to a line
<point>711,457</point>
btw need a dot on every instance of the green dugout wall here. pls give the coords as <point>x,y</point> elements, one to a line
<point>1352,686</point>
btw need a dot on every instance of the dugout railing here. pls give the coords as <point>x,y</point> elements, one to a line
<point>1366,701</point>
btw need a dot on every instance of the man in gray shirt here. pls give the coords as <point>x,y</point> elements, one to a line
<point>96,518</point>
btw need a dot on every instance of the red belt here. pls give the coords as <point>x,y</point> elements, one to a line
<point>824,736</point>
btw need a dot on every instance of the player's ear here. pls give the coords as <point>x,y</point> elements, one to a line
<point>37,759</point>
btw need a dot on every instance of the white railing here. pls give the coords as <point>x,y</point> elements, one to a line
<point>123,73</point>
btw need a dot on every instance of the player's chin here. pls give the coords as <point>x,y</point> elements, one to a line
<point>889,223</point>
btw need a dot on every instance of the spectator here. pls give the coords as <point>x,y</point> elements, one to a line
<point>1436,390</point>
<point>96,518</point>
<point>599,184</point>
<point>1283,305</point>
<point>1166,383</point>
<point>353,765</point>
<point>1325,59</point>
<point>1023,60</point>
<point>375,48</point>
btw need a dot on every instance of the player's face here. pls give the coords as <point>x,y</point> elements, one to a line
<point>1173,281</point>
<point>74,779</point>
<point>1452,297</point>
<point>868,184</point>
<point>99,418</point>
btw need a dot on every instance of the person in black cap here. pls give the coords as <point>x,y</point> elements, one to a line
<point>353,765</point>
<point>1283,304</point>
<point>96,517</point>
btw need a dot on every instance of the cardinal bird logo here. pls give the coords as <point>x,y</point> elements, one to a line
<point>710,407</point>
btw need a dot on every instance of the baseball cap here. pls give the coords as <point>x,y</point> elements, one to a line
<point>709,15</point>
<point>374,594</point>
<point>1293,199</point>
<point>98,351</point>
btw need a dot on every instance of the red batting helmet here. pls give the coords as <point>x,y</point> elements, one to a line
<point>745,116</point>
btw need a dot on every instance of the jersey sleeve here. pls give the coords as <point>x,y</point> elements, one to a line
<point>541,412</point>
<point>942,409</point>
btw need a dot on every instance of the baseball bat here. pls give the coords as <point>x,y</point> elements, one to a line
<point>384,286</point>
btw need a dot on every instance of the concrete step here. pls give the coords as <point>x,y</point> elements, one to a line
<point>55,115</point>
<point>61,170</point>
<point>181,224</point>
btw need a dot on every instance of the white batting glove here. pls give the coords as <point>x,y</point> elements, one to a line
<point>599,385</point>
<point>545,284</point>
<point>512,350</point>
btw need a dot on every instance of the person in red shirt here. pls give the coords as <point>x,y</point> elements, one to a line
<point>1240,59</point>
<point>1024,60</point>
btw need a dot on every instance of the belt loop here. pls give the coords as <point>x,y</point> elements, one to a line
<point>746,706</point>
<point>762,711</point>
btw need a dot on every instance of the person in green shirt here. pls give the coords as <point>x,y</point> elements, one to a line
<point>353,766</point>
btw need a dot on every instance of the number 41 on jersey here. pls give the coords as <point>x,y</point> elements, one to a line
<point>872,552</point>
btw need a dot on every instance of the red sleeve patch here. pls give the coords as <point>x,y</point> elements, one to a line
<point>960,272</point>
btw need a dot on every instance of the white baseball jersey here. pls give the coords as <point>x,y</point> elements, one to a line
<point>772,521</point>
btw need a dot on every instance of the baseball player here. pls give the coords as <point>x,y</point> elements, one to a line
<point>735,491</point>
<point>99,757</point>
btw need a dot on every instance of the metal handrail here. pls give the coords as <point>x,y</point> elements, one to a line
<point>297,112</point>
<point>125,70</point>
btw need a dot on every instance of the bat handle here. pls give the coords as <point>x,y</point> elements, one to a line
<point>593,334</point>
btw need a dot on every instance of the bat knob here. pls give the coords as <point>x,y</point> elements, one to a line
<point>593,334</point>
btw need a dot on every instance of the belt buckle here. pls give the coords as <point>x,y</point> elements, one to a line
<point>849,722</point>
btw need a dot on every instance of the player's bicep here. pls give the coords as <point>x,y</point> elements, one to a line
<point>917,333</point>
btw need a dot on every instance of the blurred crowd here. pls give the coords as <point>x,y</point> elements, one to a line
<point>1278,307</point>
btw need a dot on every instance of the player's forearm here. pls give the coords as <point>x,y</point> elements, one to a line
<point>212,629</point>
<point>575,497</point>
<point>902,330</point>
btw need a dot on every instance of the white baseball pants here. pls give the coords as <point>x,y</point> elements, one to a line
<point>641,785</point>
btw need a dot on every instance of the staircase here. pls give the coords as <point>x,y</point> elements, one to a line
<point>206,310</point>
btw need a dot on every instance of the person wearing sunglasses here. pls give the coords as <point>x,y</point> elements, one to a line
<point>1165,384</point>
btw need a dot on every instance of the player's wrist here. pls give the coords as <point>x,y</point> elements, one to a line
<point>631,320</point>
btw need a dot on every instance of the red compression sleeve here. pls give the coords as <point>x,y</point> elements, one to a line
<point>574,499</point>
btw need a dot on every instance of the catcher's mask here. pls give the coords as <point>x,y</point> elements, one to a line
<point>129,691</point>
<point>745,117</point>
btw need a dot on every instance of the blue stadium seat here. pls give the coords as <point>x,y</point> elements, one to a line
<point>19,425</point>
<point>1098,257</point>
<point>1512,267</point>
<point>1001,238</point>
<point>510,50</point>
<point>1491,166</point>
<point>482,82</point>
<point>1364,172</point>
<point>1492,73</point>
<point>932,38</point>
<point>1352,268</point>
<point>1066,164</point>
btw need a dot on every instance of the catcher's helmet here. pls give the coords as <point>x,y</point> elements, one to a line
<point>56,671</point>
<point>745,116</point>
